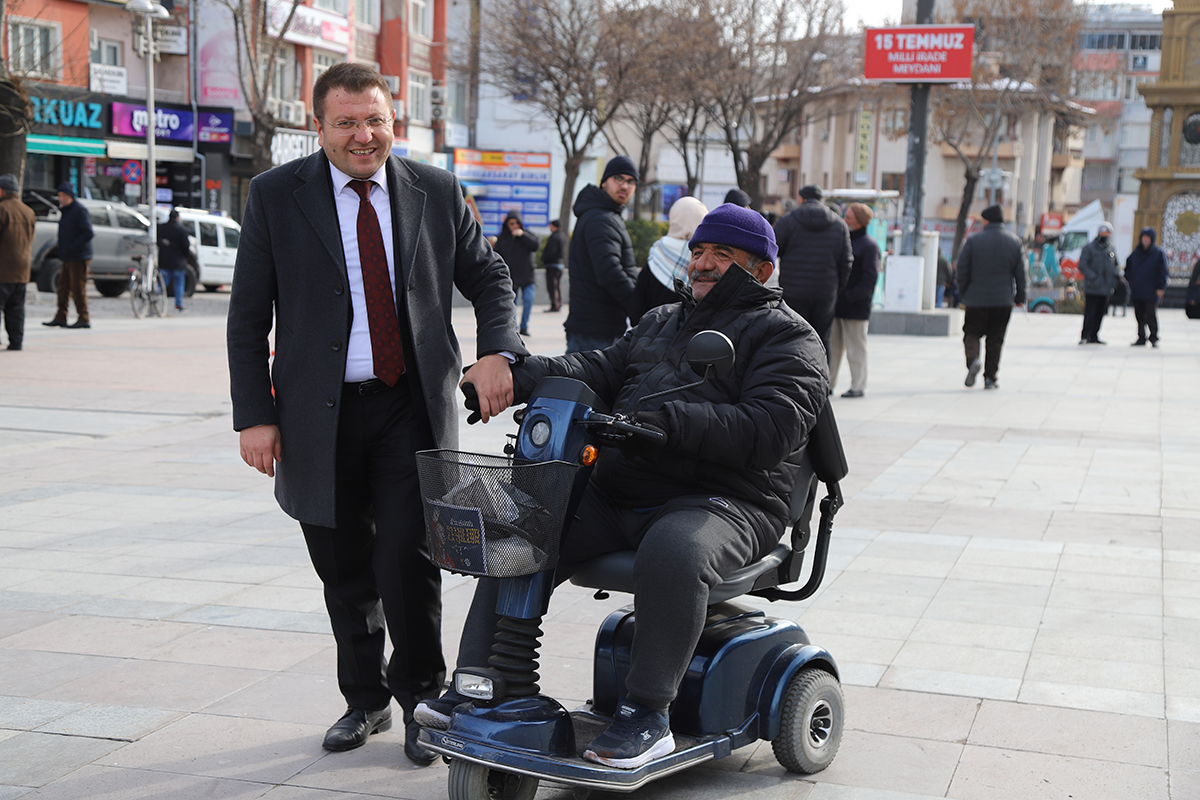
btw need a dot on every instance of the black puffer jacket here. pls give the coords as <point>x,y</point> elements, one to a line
<point>600,266</point>
<point>737,436</point>
<point>517,251</point>
<point>814,252</point>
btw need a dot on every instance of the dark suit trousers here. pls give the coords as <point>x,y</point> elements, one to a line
<point>12,306</point>
<point>1095,306</point>
<point>818,312</point>
<point>1146,312</point>
<point>554,285</point>
<point>375,565</point>
<point>988,322</point>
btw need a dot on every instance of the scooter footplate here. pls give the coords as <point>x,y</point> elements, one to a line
<point>575,771</point>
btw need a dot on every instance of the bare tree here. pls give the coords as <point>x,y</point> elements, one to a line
<point>259,40</point>
<point>775,52</point>
<point>1023,56</point>
<point>570,60</point>
<point>15,112</point>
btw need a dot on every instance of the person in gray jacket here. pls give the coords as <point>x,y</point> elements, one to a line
<point>991,277</point>
<point>1098,263</point>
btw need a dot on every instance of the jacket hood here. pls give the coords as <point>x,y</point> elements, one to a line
<point>1147,231</point>
<point>593,197</point>
<point>505,233</point>
<point>815,216</point>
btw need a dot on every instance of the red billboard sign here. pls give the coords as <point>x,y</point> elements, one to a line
<point>919,53</point>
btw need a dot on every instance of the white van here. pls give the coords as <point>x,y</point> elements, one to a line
<point>214,246</point>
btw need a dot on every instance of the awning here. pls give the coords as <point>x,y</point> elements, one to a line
<point>137,151</point>
<point>66,146</point>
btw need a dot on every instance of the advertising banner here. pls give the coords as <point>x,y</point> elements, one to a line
<point>170,123</point>
<point>215,127</point>
<point>512,181</point>
<point>216,41</point>
<point>919,53</point>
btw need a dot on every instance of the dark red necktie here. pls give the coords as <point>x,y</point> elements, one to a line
<point>377,285</point>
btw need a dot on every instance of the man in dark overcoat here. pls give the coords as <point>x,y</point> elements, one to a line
<point>353,255</point>
<point>991,277</point>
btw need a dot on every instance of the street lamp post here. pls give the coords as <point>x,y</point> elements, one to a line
<point>150,11</point>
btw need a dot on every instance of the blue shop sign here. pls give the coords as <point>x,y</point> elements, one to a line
<point>67,113</point>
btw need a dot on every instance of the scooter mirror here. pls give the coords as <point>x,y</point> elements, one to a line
<point>710,349</point>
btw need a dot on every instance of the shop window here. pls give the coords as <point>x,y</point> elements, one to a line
<point>208,234</point>
<point>34,47</point>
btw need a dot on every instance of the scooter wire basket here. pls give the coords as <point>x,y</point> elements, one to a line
<point>493,516</point>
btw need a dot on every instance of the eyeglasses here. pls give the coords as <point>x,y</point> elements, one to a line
<point>621,180</point>
<point>352,125</point>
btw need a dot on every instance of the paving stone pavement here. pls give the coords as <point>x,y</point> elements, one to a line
<point>1013,594</point>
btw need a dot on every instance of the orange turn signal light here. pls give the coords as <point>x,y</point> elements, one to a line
<point>589,455</point>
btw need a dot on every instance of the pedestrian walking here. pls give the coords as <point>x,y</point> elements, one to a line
<point>517,247</point>
<point>352,254</point>
<point>601,265</point>
<point>991,277</point>
<point>553,258</point>
<point>814,260</point>
<point>945,278</point>
<point>75,252</point>
<point>1146,273</point>
<point>1098,263</point>
<point>668,261</point>
<point>852,314</point>
<point>173,249</point>
<point>17,223</point>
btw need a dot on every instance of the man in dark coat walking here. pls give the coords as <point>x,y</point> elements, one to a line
<point>1098,263</point>
<point>713,498</point>
<point>17,224</point>
<point>991,277</point>
<point>75,251</point>
<point>814,260</point>
<point>553,259</point>
<point>353,255</point>
<point>601,265</point>
<point>1146,273</point>
<point>173,249</point>
<point>852,315</point>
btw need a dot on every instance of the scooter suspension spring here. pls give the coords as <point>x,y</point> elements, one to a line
<point>514,654</point>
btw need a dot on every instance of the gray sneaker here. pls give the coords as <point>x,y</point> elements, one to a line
<point>436,713</point>
<point>636,736</point>
<point>972,372</point>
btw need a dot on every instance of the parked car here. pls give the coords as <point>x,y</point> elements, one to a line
<point>121,240</point>
<point>214,245</point>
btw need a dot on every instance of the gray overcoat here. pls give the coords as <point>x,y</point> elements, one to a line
<point>291,273</point>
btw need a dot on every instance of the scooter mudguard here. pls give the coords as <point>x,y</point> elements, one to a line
<point>742,657</point>
<point>531,724</point>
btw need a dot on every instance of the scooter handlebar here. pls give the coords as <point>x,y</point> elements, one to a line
<point>620,427</point>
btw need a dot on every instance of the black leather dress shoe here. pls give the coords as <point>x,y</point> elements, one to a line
<point>355,726</point>
<point>412,748</point>
<point>56,323</point>
<point>79,324</point>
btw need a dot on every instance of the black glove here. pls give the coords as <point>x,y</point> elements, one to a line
<point>636,446</point>
<point>471,403</point>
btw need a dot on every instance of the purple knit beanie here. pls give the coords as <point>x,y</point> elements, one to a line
<point>734,226</point>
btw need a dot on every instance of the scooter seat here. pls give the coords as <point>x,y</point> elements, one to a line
<point>614,572</point>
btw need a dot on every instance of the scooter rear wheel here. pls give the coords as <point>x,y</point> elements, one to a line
<point>470,781</point>
<point>811,726</point>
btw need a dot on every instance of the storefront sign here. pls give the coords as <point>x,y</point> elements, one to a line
<point>106,79</point>
<point>170,123</point>
<point>513,181</point>
<point>171,40</point>
<point>89,166</point>
<point>862,151</point>
<point>310,26</point>
<point>420,55</point>
<point>289,144</point>
<point>218,53</point>
<point>919,53</point>
<point>66,113</point>
<point>215,128</point>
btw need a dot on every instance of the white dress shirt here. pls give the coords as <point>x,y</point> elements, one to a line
<point>360,363</point>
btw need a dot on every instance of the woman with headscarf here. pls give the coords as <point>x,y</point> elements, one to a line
<point>668,261</point>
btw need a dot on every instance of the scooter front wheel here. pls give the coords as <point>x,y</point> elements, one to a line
<point>470,781</point>
<point>812,721</point>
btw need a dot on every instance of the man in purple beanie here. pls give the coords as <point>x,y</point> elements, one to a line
<point>710,500</point>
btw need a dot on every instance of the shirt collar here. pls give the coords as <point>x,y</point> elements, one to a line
<point>340,179</point>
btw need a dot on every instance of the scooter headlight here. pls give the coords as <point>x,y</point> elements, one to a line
<point>539,434</point>
<point>484,684</point>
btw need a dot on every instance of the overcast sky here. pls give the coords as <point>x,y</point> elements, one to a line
<point>876,12</point>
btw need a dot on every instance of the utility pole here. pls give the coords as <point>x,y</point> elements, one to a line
<point>914,173</point>
<point>473,74</point>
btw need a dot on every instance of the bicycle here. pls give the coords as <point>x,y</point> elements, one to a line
<point>147,298</point>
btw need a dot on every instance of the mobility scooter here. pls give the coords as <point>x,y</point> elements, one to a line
<point>751,676</point>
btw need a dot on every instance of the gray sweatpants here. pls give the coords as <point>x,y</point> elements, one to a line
<point>684,548</point>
